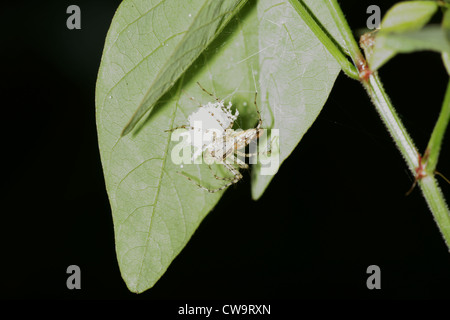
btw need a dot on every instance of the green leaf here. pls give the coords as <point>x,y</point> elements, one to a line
<point>169,37</point>
<point>155,210</point>
<point>446,60</point>
<point>437,136</point>
<point>446,28</point>
<point>388,45</point>
<point>430,38</point>
<point>403,17</point>
<point>296,75</point>
<point>265,48</point>
<point>446,24</point>
<point>408,16</point>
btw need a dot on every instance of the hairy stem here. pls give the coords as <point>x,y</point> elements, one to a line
<point>392,121</point>
<point>428,184</point>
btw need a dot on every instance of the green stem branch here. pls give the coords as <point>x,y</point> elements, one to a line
<point>371,82</point>
<point>434,146</point>
<point>392,121</point>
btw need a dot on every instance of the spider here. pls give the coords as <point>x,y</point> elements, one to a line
<point>226,144</point>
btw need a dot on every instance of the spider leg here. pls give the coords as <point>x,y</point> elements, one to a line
<point>248,155</point>
<point>217,177</point>
<point>243,165</point>
<point>259,113</point>
<point>237,175</point>
<point>180,127</point>
<point>237,161</point>
<point>218,121</point>
<point>198,184</point>
<point>232,180</point>
<point>210,94</point>
<point>192,98</point>
<point>224,109</point>
<point>235,180</point>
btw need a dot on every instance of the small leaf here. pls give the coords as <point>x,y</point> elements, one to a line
<point>380,54</point>
<point>403,17</point>
<point>446,60</point>
<point>171,37</point>
<point>408,16</point>
<point>387,45</point>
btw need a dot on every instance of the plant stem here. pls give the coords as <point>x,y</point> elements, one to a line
<point>371,82</point>
<point>393,123</point>
<point>434,145</point>
<point>320,32</point>
<point>428,184</point>
<point>436,202</point>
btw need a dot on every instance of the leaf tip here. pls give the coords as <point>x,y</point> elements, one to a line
<point>124,132</point>
<point>127,129</point>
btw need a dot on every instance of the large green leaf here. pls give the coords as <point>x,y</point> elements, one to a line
<point>296,75</point>
<point>265,47</point>
<point>156,210</point>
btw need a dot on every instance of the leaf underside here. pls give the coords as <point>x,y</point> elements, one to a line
<point>264,47</point>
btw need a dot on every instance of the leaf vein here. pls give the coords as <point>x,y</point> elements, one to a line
<point>158,191</point>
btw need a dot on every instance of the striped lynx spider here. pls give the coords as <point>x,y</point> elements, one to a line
<point>225,144</point>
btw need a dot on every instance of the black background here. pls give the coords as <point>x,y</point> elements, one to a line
<point>336,206</point>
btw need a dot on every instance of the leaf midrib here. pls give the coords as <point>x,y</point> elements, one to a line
<point>158,189</point>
